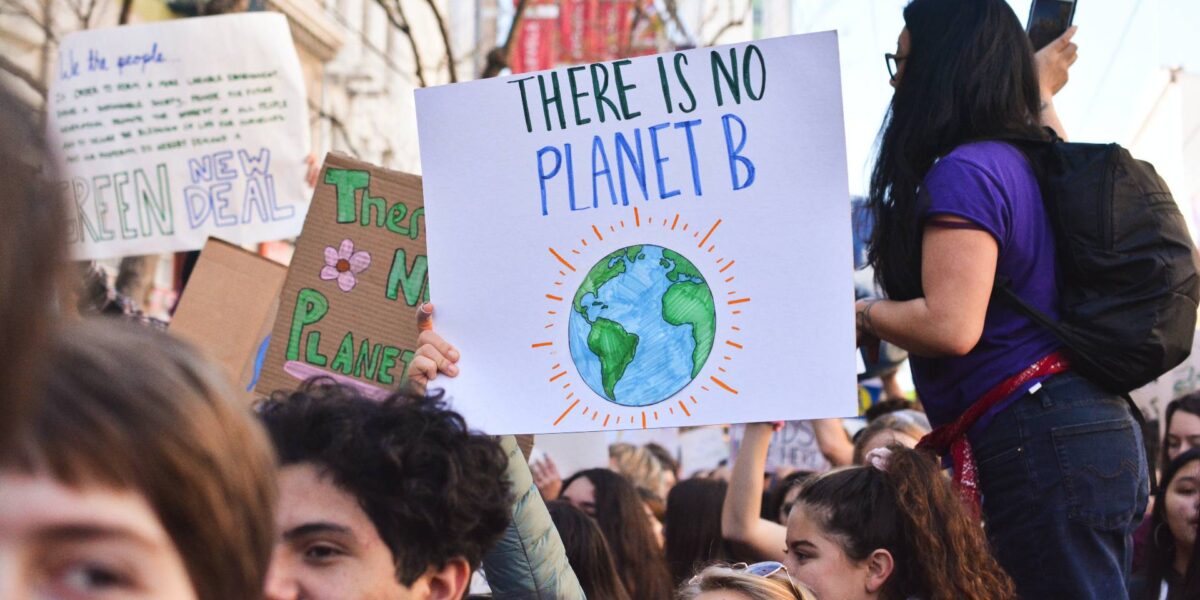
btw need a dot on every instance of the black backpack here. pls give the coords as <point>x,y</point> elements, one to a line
<point>1127,268</point>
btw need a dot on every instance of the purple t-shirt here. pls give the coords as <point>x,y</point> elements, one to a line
<point>992,185</point>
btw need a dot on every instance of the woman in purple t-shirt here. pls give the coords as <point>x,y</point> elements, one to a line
<point>1057,463</point>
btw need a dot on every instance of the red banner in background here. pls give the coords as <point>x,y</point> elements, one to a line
<point>536,44</point>
<point>567,32</point>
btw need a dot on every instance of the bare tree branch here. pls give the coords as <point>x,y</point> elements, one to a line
<point>16,71</point>
<point>437,15</point>
<point>418,67</point>
<point>497,59</point>
<point>126,6</point>
<point>738,22</point>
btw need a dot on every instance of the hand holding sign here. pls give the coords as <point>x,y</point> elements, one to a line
<point>434,354</point>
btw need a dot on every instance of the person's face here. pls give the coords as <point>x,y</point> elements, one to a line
<point>91,543</point>
<point>818,561</point>
<point>1183,504</point>
<point>903,45</point>
<point>328,548</point>
<point>1183,435</point>
<point>582,494</point>
<point>888,437</point>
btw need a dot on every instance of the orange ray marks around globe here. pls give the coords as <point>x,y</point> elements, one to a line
<point>584,242</point>
<point>597,232</point>
<point>656,415</point>
<point>728,358</point>
<point>552,312</point>
<point>643,419</point>
<point>569,396</point>
<point>737,312</point>
<point>566,412</point>
<point>720,260</point>
<point>672,409</point>
<point>723,385</point>
<point>712,247</point>
<point>705,388</point>
<point>563,273</point>
<point>727,265</point>
<point>562,260</point>
<point>685,226</point>
<point>649,220</point>
<point>734,344</point>
<point>729,279</point>
<point>542,344</point>
<point>693,399</point>
<point>566,385</point>
<point>722,369</point>
<point>709,234</point>
<point>554,298</point>
<point>560,374</point>
<point>735,328</point>
<point>612,228</point>
<point>556,365</point>
<point>584,413</point>
<point>731,292</point>
<point>675,222</point>
<point>558,283</point>
<point>548,326</point>
<point>696,234</point>
<point>574,251</point>
<point>684,407</point>
<point>622,224</point>
<point>606,418</point>
<point>739,301</point>
<point>618,419</point>
<point>595,414</point>
<point>637,217</point>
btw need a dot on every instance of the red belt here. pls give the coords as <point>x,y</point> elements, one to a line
<point>952,437</point>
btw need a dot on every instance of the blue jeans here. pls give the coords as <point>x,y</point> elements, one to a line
<point>1063,476</point>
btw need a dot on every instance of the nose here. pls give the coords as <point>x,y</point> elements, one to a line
<point>280,585</point>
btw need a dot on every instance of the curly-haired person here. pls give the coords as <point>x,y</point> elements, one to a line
<point>393,499</point>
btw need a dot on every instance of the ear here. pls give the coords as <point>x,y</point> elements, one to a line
<point>880,565</point>
<point>451,582</point>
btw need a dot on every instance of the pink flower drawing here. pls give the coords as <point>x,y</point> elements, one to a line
<point>344,264</point>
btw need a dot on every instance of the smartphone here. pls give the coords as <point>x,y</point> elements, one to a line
<point>1049,19</point>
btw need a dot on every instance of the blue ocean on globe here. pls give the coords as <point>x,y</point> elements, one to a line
<point>630,303</point>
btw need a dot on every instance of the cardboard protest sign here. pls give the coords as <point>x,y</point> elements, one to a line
<point>654,242</point>
<point>169,132</point>
<point>348,307</point>
<point>228,308</point>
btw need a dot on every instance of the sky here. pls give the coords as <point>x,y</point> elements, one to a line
<point>1124,47</point>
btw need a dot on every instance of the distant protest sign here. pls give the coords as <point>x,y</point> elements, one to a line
<point>793,448</point>
<point>654,242</point>
<point>170,132</point>
<point>348,306</point>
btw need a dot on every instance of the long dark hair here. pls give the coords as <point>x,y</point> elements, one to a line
<point>693,528</point>
<point>1189,404</point>
<point>626,527</point>
<point>1160,552</point>
<point>911,511</point>
<point>968,75</point>
<point>587,551</point>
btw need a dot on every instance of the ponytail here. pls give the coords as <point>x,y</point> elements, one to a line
<point>909,509</point>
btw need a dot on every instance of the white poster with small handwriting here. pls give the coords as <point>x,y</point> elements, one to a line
<point>170,132</point>
<point>653,242</point>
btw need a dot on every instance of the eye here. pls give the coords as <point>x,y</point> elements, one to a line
<point>94,578</point>
<point>322,553</point>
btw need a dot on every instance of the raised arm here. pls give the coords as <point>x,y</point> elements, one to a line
<point>1053,64</point>
<point>740,520</point>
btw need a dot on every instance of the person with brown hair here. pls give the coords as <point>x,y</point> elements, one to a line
<point>1172,532</point>
<point>693,527</point>
<point>33,249</point>
<point>587,551</point>
<point>760,581</point>
<point>890,530</point>
<point>137,475</point>
<point>904,427</point>
<point>614,503</point>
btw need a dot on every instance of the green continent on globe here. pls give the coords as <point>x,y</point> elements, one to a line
<point>616,349</point>
<point>684,269</point>
<point>692,303</point>
<point>600,274</point>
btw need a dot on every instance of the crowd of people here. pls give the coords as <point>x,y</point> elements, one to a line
<point>129,468</point>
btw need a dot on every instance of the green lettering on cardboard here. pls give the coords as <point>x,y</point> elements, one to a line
<point>311,307</point>
<point>312,349</point>
<point>367,362</point>
<point>347,182</point>
<point>344,361</point>
<point>410,279</point>
<point>395,216</point>
<point>390,353</point>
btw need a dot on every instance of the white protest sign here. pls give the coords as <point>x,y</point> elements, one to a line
<point>794,447</point>
<point>655,242</point>
<point>170,132</point>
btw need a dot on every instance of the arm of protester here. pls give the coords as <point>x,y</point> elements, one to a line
<point>958,268</point>
<point>547,478</point>
<point>1053,65</point>
<point>833,441</point>
<point>529,562</point>
<point>741,522</point>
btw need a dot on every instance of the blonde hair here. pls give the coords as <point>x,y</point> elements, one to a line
<point>640,467</point>
<point>778,586</point>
